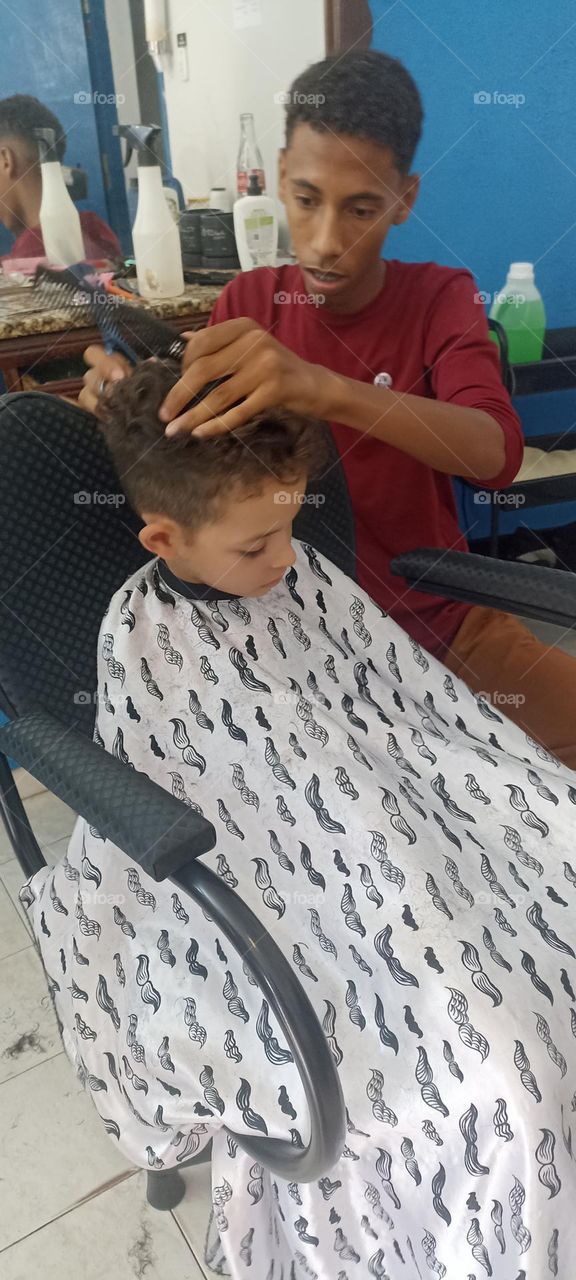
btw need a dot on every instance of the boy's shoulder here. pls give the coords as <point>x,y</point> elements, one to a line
<point>131,597</point>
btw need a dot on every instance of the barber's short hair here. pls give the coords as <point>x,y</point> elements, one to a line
<point>21,114</point>
<point>362,94</point>
<point>188,478</point>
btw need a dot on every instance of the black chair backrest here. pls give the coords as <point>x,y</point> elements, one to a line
<point>69,541</point>
<point>506,369</point>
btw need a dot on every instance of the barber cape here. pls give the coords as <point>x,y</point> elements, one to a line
<point>411,852</point>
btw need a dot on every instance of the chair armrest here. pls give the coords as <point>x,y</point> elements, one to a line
<point>533,591</point>
<point>125,806</point>
<point>166,838</point>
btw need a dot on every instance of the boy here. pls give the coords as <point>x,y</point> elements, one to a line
<point>316,337</point>
<point>376,819</point>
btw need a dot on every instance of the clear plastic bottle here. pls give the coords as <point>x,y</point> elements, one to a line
<point>256,228</point>
<point>520,310</point>
<point>59,218</point>
<point>249,156</point>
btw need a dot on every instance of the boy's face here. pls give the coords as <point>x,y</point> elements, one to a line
<point>342,195</point>
<point>245,549</point>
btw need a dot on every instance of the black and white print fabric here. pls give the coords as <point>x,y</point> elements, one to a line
<point>411,852</point>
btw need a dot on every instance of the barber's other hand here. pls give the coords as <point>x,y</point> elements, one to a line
<point>260,372</point>
<point>103,370</point>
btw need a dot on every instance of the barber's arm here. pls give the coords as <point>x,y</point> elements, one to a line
<point>102,369</point>
<point>262,374</point>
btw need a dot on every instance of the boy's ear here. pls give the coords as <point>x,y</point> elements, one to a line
<point>159,535</point>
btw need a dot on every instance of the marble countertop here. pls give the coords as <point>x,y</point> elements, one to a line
<point>23,312</point>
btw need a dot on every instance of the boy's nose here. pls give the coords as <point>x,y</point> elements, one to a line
<point>284,558</point>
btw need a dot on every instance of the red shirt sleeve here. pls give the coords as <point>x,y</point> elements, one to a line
<point>100,240</point>
<point>464,366</point>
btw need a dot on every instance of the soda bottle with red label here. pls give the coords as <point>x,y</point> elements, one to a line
<point>249,156</point>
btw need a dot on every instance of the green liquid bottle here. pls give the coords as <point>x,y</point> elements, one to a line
<point>520,310</point>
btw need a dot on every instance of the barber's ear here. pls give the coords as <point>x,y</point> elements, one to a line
<point>407,200</point>
<point>282,175</point>
<point>8,162</point>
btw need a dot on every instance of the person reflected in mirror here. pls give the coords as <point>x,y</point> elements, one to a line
<point>21,183</point>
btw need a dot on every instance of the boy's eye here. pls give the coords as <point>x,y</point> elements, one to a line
<point>305,202</point>
<point>249,555</point>
<point>362,212</point>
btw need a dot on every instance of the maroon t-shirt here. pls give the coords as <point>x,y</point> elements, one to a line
<point>426,331</point>
<point>99,240</point>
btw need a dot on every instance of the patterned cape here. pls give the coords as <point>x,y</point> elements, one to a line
<point>411,851</point>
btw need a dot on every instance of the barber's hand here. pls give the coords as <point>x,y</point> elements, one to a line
<point>260,372</point>
<point>103,370</point>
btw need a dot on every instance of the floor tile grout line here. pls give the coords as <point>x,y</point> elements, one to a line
<point>34,1067</point>
<point>98,1191</point>
<point>46,1057</point>
<point>20,949</point>
<point>190,1246</point>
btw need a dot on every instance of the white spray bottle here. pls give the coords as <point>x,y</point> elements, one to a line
<point>59,217</point>
<point>155,235</point>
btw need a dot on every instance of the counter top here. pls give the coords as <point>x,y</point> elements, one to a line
<point>24,312</point>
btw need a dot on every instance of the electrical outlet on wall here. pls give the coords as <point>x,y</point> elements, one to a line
<point>182,56</point>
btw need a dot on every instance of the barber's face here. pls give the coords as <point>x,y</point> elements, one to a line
<point>342,195</point>
<point>9,171</point>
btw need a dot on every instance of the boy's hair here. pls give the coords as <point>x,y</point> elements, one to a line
<point>21,114</point>
<point>188,478</point>
<point>365,94</point>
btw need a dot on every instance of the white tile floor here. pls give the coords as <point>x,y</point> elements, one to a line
<point>70,1205</point>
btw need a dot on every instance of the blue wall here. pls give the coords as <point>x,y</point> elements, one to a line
<point>501,185</point>
<point>45,53</point>
<point>499,181</point>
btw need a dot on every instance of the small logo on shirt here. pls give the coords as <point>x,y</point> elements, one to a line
<point>383,380</point>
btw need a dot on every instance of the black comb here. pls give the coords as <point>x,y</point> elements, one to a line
<point>125,327</point>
